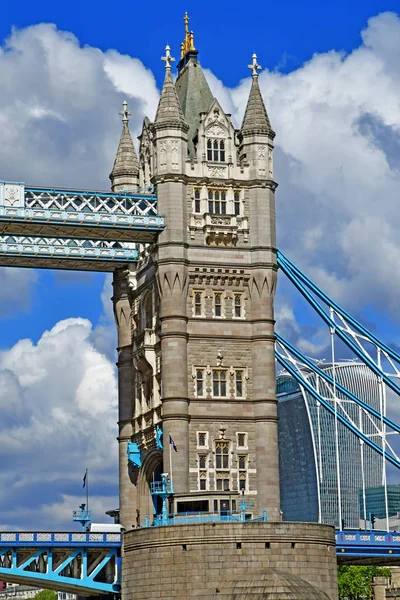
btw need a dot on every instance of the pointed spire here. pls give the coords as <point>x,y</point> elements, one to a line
<point>125,172</point>
<point>169,111</point>
<point>255,118</point>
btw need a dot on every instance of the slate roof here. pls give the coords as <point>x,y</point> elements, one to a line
<point>169,111</point>
<point>255,118</point>
<point>193,92</point>
<point>126,160</point>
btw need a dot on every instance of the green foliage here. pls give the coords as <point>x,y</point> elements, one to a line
<point>355,583</point>
<point>46,595</point>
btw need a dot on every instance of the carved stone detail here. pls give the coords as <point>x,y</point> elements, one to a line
<point>262,284</point>
<point>12,195</point>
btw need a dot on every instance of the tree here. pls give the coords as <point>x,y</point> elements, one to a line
<point>46,595</point>
<point>355,583</point>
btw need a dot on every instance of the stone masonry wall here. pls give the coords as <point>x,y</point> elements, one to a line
<point>200,561</point>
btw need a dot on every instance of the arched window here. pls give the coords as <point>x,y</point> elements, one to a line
<point>148,311</point>
<point>216,150</point>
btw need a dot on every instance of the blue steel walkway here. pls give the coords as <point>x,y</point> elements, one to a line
<point>81,563</point>
<point>74,229</point>
<point>368,547</point>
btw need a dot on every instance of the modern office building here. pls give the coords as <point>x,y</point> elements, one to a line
<point>375,501</point>
<point>307,449</point>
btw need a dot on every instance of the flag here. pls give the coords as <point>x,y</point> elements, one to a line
<point>84,479</point>
<point>171,441</point>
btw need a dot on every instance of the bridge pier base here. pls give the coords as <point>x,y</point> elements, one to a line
<point>224,560</point>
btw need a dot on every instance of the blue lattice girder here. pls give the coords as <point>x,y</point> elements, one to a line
<point>79,225</point>
<point>82,570</point>
<point>348,330</point>
<point>309,388</point>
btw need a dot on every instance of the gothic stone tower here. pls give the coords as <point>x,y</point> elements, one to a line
<point>196,357</point>
<point>195,319</point>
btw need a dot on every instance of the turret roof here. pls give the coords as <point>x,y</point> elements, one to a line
<point>126,161</point>
<point>169,110</point>
<point>255,118</point>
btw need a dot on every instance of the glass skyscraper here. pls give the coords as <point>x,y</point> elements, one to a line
<point>307,450</point>
<point>375,501</point>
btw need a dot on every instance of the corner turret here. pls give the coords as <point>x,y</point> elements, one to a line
<point>256,135</point>
<point>125,172</point>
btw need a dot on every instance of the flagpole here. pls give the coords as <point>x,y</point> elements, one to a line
<point>87,489</point>
<point>170,458</point>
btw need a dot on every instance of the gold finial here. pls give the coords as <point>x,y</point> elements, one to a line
<point>188,43</point>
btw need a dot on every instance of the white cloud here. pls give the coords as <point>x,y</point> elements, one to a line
<point>337,120</point>
<point>58,402</point>
<point>337,154</point>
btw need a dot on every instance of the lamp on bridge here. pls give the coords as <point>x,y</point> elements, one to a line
<point>84,516</point>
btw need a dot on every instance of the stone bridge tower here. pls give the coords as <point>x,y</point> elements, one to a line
<point>195,319</point>
<point>196,358</point>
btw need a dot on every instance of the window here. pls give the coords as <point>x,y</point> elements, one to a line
<point>216,150</point>
<point>236,203</point>
<point>238,311</point>
<point>196,200</point>
<point>217,304</point>
<point>198,304</point>
<point>202,461</point>
<point>222,455</point>
<point>223,482</point>
<point>242,460</point>
<point>217,202</point>
<point>202,439</point>
<point>148,311</point>
<point>242,440</point>
<point>239,384</point>
<point>219,384</point>
<point>199,383</point>
<point>242,480</point>
<point>203,482</point>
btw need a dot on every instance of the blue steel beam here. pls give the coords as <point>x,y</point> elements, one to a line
<point>302,358</point>
<point>303,382</point>
<point>285,263</point>
<point>78,213</point>
<point>84,225</point>
<point>304,285</point>
<point>52,255</point>
<point>83,563</point>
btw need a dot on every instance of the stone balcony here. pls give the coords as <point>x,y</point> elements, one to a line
<point>219,230</point>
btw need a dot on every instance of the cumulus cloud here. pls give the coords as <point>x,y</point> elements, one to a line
<point>58,401</point>
<point>59,107</point>
<point>59,119</point>
<point>337,159</point>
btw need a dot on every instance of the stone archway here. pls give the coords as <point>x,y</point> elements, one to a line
<point>149,472</point>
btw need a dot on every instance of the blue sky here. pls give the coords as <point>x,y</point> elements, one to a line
<point>331,83</point>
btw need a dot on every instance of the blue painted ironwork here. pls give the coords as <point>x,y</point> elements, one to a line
<point>159,438</point>
<point>163,489</point>
<point>367,544</point>
<point>83,563</point>
<point>309,290</point>
<point>45,248</point>
<point>193,518</point>
<point>16,194</point>
<point>324,375</point>
<point>305,384</point>
<point>82,516</point>
<point>58,539</point>
<point>78,219</point>
<point>134,454</point>
<point>244,506</point>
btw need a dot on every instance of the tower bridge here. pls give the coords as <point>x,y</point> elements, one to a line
<point>188,231</point>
